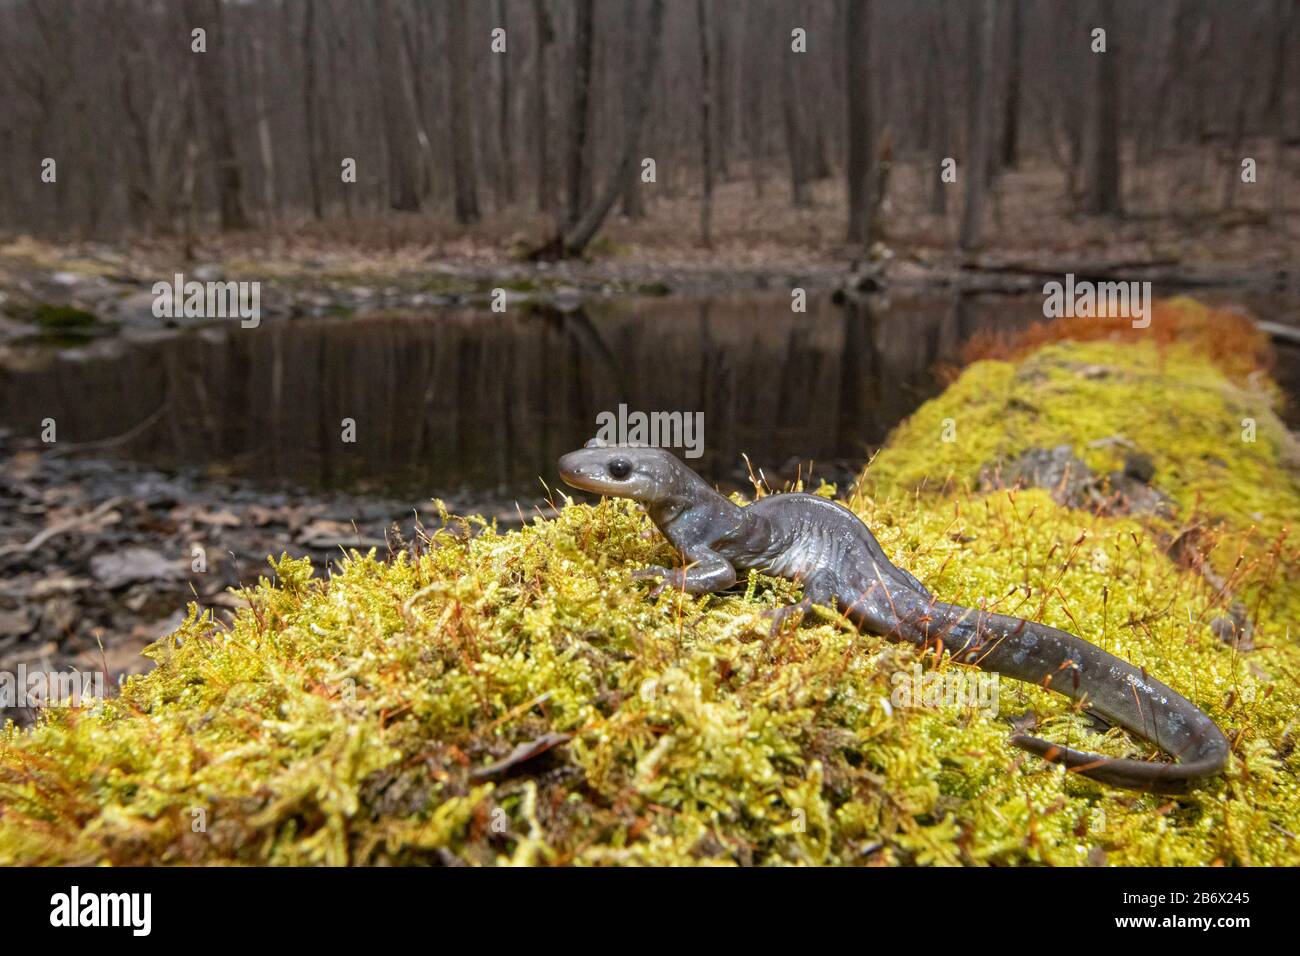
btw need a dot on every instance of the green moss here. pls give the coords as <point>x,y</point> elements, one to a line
<point>342,721</point>
<point>55,318</point>
<point>1219,448</point>
<point>63,317</point>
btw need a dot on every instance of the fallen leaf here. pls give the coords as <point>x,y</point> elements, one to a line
<point>131,565</point>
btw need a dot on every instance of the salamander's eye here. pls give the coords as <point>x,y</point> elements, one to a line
<point>619,468</point>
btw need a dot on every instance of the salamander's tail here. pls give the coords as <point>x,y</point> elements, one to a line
<point>1136,774</point>
<point>1108,686</point>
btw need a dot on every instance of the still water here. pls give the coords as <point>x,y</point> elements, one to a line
<point>466,401</point>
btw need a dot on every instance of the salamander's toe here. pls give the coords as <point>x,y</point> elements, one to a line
<point>779,615</point>
<point>661,575</point>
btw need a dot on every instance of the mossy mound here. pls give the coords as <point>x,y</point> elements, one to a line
<point>516,698</point>
<point>1191,399</point>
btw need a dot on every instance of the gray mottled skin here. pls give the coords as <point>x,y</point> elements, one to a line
<point>831,553</point>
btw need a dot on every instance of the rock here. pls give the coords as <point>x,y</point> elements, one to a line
<point>1070,481</point>
<point>1234,628</point>
<point>135,311</point>
<point>906,270</point>
<point>1140,467</point>
<point>1074,485</point>
<point>1131,495</point>
<point>131,565</point>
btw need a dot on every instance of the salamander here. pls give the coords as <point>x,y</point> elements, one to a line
<point>833,555</point>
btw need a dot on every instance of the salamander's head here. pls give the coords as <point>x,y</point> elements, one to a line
<point>647,475</point>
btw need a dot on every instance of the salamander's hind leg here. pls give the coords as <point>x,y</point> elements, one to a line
<point>911,578</point>
<point>707,572</point>
<point>817,590</point>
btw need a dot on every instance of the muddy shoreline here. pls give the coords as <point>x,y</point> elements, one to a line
<point>105,291</point>
<point>100,557</point>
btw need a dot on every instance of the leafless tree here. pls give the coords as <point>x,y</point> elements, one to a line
<point>462,115</point>
<point>153,138</point>
<point>706,123</point>
<point>210,71</point>
<point>579,180</point>
<point>545,35</point>
<point>1103,168</point>
<point>981,38</point>
<point>633,204</point>
<point>399,111</point>
<point>861,159</point>
<point>576,238</point>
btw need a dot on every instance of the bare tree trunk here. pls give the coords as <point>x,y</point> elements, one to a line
<point>221,139</point>
<point>576,239</point>
<point>1284,17</point>
<point>937,110</point>
<point>1103,167</point>
<point>706,123</point>
<point>1011,102</point>
<point>1150,132</point>
<point>189,165</point>
<point>794,134</point>
<point>411,35</point>
<point>309,107</point>
<point>633,207</point>
<point>752,120</point>
<point>505,141</point>
<point>579,185</point>
<point>462,119</point>
<point>980,38</point>
<point>722,131</point>
<point>141,172</point>
<point>398,112</point>
<point>1237,120</point>
<point>265,147</point>
<point>884,162</point>
<point>861,133</point>
<point>545,34</point>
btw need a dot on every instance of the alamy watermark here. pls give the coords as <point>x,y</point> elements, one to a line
<point>75,908</point>
<point>1084,298</point>
<point>683,430</point>
<point>916,688</point>
<point>179,299</point>
<point>38,688</point>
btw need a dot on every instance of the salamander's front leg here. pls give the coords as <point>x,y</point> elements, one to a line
<point>706,572</point>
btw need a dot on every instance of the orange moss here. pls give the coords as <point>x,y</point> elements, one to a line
<point>1227,337</point>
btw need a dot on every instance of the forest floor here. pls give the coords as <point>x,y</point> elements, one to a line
<point>99,558</point>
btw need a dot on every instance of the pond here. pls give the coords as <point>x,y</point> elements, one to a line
<point>466,401</point>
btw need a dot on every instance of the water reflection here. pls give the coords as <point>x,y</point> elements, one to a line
<point>455,399</point>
